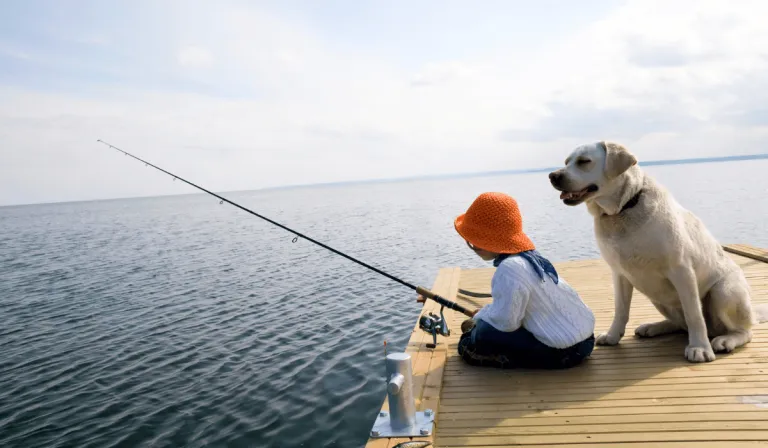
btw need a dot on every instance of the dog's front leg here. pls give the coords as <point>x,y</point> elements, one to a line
<point>699,348</point>
<point>622,299</point>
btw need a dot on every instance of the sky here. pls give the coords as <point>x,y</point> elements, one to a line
<point>238,95</point>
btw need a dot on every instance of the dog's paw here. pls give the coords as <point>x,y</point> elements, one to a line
<point>645,331</point>
<point>725,343</point>
<point>653,329</point>
<point>650,330</point>
<point>608,339</point>
<point>699,354</point>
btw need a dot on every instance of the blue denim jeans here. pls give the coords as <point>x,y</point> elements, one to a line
<point>486,346</point>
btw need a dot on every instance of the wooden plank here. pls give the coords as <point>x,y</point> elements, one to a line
<point>738,416</point>
<point>592,383</point>
<point>639,393</point>
<point>539,405</point>
<point>587,375</point>
<point>525,396</point>
<point>606,391</point>
<point>629,427</point>
<point>432,381</point>
<point>697,444</point>
<point>636,437</point>
<point>748,251</point>
<point>648,370</point>
<point>491,417</point>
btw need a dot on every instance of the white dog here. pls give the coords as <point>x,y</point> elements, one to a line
<point>656,246</point>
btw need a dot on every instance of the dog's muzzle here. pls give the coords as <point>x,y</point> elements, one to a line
<point>556,179</point>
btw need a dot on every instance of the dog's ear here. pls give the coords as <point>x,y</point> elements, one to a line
<point>617,159</point>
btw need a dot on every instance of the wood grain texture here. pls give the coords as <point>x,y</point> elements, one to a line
<point>640,393</point>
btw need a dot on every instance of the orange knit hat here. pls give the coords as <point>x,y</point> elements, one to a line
<point>493,222</point>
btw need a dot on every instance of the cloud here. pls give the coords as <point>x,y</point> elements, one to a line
<point>193,56</point>
<point>652,55</point>
<point>442,73</point>
<point>678,74</point>
<point>358,136</point>
<point>11,51</point>
<point>570,121</point>
<point>239,96</point>
<point>93,39</point>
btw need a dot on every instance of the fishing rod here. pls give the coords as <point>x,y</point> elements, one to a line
<point>430,323</point>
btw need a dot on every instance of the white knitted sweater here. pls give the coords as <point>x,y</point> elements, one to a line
<point>553,313</point>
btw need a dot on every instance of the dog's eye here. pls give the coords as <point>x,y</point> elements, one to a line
<point>582,162</point>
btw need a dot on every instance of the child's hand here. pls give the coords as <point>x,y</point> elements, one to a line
<point>421,299</point>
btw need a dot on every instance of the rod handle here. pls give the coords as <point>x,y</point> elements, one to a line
<point>424,292</point>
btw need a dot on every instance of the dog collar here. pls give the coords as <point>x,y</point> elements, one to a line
<point>632,202</point>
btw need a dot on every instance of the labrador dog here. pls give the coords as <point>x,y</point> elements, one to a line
<point>654,245</point>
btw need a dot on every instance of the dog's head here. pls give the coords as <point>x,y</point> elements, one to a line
<point>590,170</point>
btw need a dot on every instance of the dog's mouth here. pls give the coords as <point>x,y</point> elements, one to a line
<point>576,197</point>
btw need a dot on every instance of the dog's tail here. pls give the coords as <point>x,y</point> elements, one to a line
<point>761,312</point>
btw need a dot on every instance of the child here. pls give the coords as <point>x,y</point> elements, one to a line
<point>536,320</point>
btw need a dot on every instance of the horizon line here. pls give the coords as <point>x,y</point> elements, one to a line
<point>685,161</point>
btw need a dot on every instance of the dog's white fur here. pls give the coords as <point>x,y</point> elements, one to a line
<point>662,250</point>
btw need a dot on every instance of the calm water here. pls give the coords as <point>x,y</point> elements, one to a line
<point>180,322</point>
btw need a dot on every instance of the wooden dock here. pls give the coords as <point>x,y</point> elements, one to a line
<point>641,393</point>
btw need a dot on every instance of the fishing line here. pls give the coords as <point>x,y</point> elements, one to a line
<point>425,324</point>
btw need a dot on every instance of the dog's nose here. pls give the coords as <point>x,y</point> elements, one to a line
<point>554,176</point>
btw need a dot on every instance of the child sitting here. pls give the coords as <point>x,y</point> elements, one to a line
<point>536,320</point>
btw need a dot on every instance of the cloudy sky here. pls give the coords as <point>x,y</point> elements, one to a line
<point>249,94</point>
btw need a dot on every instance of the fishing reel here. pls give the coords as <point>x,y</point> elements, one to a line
<point>433,324</point>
